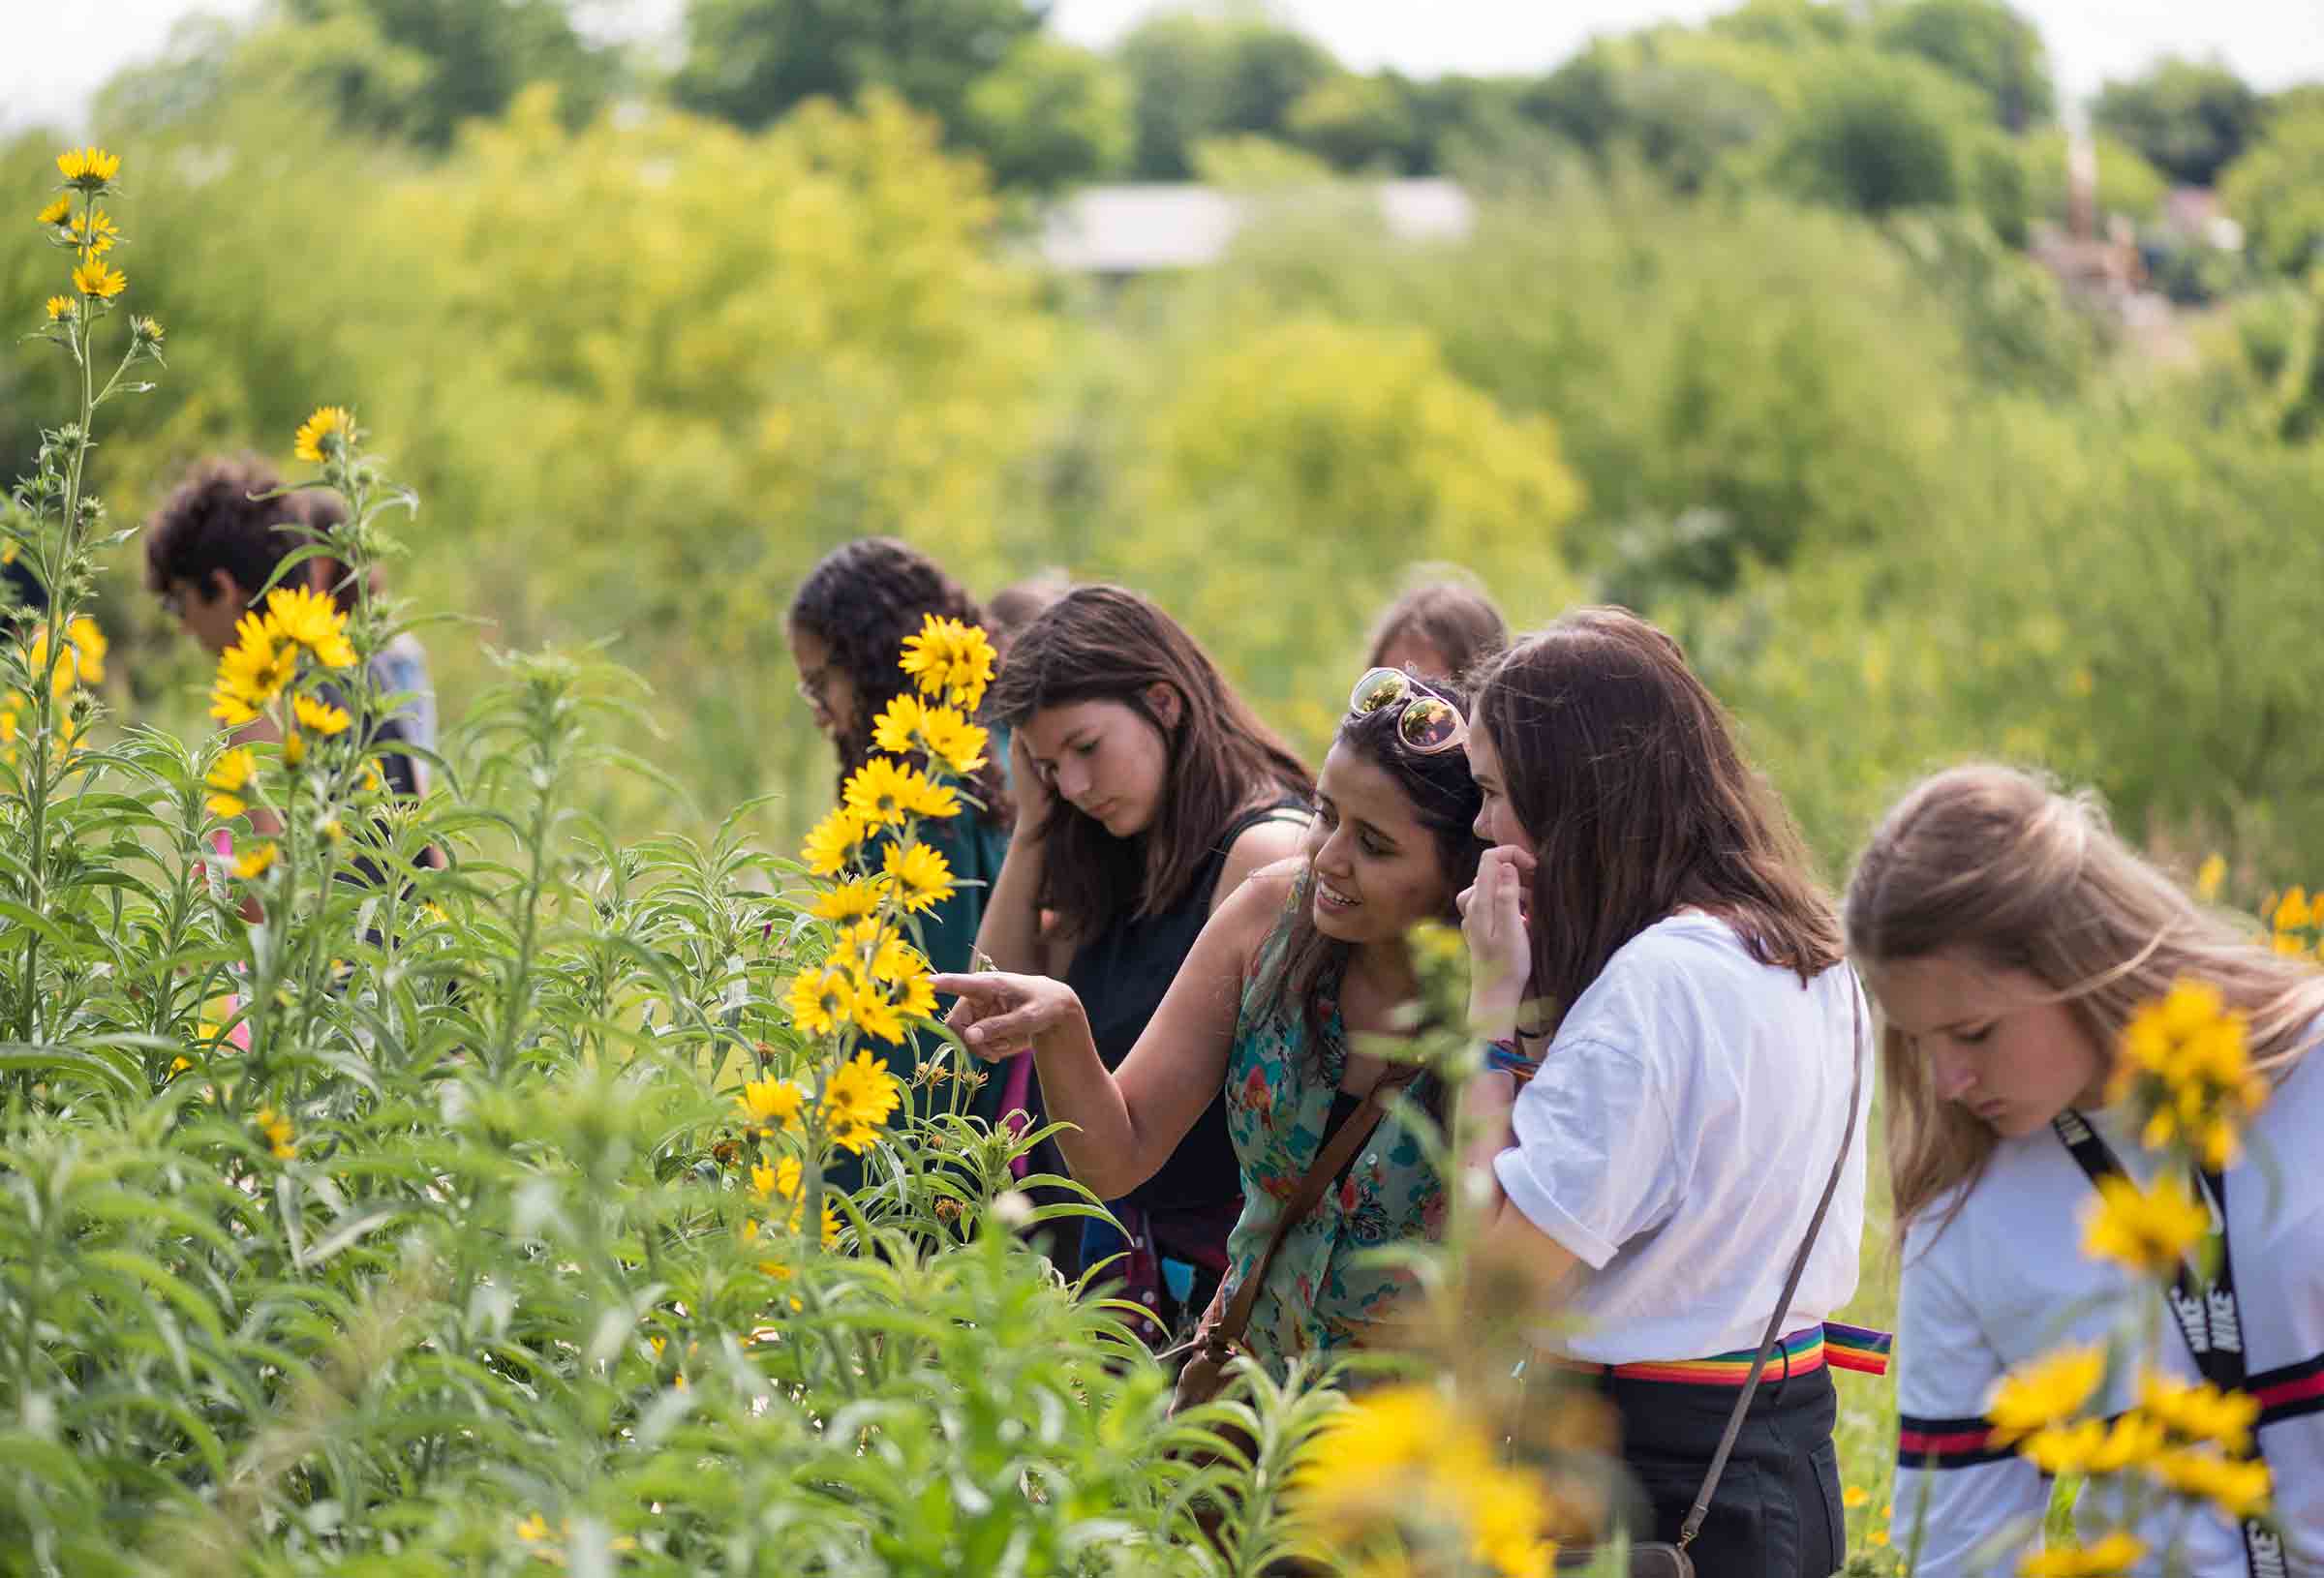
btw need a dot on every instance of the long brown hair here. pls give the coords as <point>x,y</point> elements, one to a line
<point>1104,642</point>
<point>1445,800</point>
<point>1998,865</point>
<point>1625,773</point>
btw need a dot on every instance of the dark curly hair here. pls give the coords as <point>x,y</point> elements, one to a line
<point>211,521</point>
<point>861,600</point>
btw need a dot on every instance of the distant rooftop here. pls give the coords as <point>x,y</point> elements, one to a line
<point>1140,229</point>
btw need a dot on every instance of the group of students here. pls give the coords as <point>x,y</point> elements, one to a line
<point>1195,935</point>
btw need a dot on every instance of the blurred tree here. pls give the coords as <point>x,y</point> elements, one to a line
<point>1048,115</point>
<point>1196,77</point>
<point>1876,132</point>
<point>1985,44</point>
<point>1786,24</point>
<point>2190,119</point>
<point>1359,123</point>
<point>2277,191</point>
<point>473,57</point>
<point>751,61</point>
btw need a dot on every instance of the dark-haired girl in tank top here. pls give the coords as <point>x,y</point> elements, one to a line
<point>1146,791</point>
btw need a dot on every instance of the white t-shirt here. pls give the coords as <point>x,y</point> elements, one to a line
<point>1677,1139</point>
<point>2006,1282</point>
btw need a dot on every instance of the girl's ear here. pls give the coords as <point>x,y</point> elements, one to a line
<point>1164,703</point>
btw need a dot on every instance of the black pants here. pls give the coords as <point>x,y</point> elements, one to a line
<point>1777,1512</point>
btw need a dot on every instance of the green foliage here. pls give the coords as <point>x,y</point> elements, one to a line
<point>2190,119</point>
<point>1050,115</point>
<point>1197,79</point>
<point>752,61</point>
<point>1356,123</point>
<point>1876,134</point>
<point>2275,190</point>
<point>1984,43</point>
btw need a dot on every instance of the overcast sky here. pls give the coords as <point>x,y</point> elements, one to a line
<point>53,55</point>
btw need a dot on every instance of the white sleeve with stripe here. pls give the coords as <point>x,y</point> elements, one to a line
<point>1965,1506</point>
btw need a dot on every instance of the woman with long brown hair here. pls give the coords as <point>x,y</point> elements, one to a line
<point>1148,791</point>
<point>1662,1168</point>
<point>2009,936</point>
<point>1267,1015</point>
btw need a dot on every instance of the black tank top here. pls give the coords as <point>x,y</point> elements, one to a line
<point>1121,975</point>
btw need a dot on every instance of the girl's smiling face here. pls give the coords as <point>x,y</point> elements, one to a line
<point>1377,867</point>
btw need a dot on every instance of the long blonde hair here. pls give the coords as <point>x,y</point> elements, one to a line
<point>1996,864</point>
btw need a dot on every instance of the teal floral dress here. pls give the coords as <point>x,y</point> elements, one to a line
<point>1318,1299</point>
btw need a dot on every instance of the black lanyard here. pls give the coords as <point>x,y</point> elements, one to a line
<point>2208,1316</point>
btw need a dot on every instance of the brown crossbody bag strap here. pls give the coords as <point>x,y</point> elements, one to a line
<point>1799,1264</point>
<point>1331,1158</point>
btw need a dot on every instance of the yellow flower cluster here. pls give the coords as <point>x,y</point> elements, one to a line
<point>2151,1229</point>
<point>951,660</point>
<point>782,1182</point>
<point>942,734</point>
<point>90,170</point>
<point>1407,1463</point>
<point>277,1130</point>
<point>2112,1557</point>
<point>263,660</point>
<point>80,658</point>
<point>231,780</point>
<point>2190,1440</point>
<point>2185,1068</point>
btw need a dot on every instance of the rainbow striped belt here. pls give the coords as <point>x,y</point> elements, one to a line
<point>1845,1348</point>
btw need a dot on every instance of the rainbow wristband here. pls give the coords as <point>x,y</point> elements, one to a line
<point>1507,1057</point>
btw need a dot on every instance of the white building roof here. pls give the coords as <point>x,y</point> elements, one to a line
<point>1138,229</point>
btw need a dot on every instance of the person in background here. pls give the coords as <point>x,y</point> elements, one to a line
<point>1295,965</point>
<point>211,550</point>
<point>1441,628</point>
<point>1661,1170</point>
<point>1019,603</point>
<point>2011,939</point>
<point>847,627</point>
<point>1148,792</point>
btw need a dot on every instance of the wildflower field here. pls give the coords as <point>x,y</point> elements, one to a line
<point>480,1216</point>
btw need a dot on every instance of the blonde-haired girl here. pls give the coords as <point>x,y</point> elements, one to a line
<point>2008,935</point>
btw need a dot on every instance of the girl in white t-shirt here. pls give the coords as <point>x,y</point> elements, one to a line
<point>1665,1158</point>
<point>2010,936</point>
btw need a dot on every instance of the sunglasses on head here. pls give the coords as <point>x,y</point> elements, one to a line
<point>1426,723</point>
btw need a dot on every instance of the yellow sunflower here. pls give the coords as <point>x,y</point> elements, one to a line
<point>853,899</point>
<point>822,1001</point>
<point>251,673</point>
<point>876,1014</point>
<point>231,776</point>
<point>951,658</point>
<point>59,308</point>
<point>881,794</point>
<point>952,740</point>
<point>773,1104</point>
<point>98,279</point>
<point>860,1097</point>
<point>2046,1393</point>
<point>897,728</point>
<point>920,876</point>
<point>2149,1231</point>
<point>835,843</point>
<point>56,212</point>
<point>330,428</point>
<point>310,619</point>
<point>95,233</point>
<point>321,716</point>
<point>88,168</point>
<point>255,862</point>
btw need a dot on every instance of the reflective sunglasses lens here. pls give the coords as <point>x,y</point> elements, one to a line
<point>1428,724</point>
<point>1375,691</point>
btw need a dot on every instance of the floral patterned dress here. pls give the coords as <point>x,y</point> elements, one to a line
<point>1318,1298</point>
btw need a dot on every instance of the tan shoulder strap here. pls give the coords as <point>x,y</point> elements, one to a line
<point>1331,1157</point>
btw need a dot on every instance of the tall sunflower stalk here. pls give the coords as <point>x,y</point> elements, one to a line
<point>875,879</point>
<point>48,710</point>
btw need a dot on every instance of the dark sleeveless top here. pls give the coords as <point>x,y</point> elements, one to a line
<point>1120,976</point>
